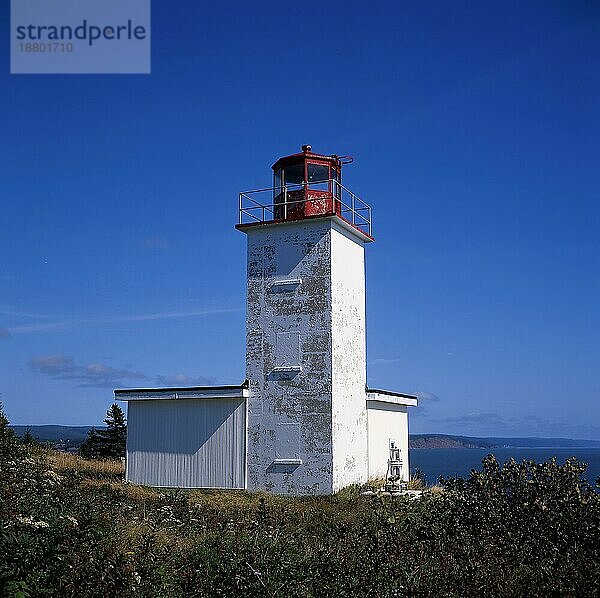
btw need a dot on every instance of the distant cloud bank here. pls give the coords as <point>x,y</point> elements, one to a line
<point>100,375</point>
<point>63,367</point>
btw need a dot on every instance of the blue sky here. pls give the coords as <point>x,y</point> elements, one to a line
<point>475,130</point>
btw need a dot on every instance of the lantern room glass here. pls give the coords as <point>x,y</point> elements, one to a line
<point>293,174</point>
<point>318,173</point>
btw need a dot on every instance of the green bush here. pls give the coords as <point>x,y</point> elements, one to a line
<point>523,529</point>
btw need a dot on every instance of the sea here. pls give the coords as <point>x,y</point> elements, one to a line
<point>436,462</point>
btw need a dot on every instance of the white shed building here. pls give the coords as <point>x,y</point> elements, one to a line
<point>304,422</point>
<point>186,437</point>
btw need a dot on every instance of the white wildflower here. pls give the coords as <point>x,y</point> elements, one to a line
<point>31,522</point>
<point>72,520</point>
<point>53,477</point>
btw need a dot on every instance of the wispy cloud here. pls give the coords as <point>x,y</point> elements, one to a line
<point>385,360</point>
<point>61,324</point>
<point>169,315</point>
<point>63,367</point>
<point>42,327</point>
<point>7,311</point>
<point>425,398</point>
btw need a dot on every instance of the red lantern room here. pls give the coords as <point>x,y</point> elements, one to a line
<point>305,185</point>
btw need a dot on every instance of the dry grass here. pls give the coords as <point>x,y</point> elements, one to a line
<point>95,468</point>
<point>416,483</point>
<point>376,483</point>
<point>141,493</point>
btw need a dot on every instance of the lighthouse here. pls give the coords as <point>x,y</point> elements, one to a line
<point>304,421</point>
<point>305,327</point>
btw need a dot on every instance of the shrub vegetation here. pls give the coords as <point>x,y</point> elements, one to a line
<point>71,527</point>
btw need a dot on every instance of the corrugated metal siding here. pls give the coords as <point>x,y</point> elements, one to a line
<point>187,443</point>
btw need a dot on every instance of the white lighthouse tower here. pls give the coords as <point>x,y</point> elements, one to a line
<point>304,421</point>
<point>306,345</point>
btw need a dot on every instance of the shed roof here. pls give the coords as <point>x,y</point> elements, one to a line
<point>389,396</point>
<point>239,391</point>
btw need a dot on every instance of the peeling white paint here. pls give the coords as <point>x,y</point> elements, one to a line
<point>319,322</point>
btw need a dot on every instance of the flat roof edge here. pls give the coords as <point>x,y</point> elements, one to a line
<point>388,396</point>
<point>180,388</point>
<point>183,392</point>
<point>392,393</point>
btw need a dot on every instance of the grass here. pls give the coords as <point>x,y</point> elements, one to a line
<point>92,468</point>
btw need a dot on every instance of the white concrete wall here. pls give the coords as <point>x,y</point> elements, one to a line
<point>187,443</point>
<point>289,326</point>
<point>349,414</point>
<point>386,421</point>
<point>305,360</point>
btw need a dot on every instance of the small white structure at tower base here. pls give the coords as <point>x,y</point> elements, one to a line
<point>387,414</point>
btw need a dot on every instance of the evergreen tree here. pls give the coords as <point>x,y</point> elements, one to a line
<point>108,443</point>
<point>7,436</point>
<point>5,431</point>
<point>28,438</point>
<point>90,448</point>
<point>115,435</point>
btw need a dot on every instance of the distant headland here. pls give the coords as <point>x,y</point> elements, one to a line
<point>446,441</point>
